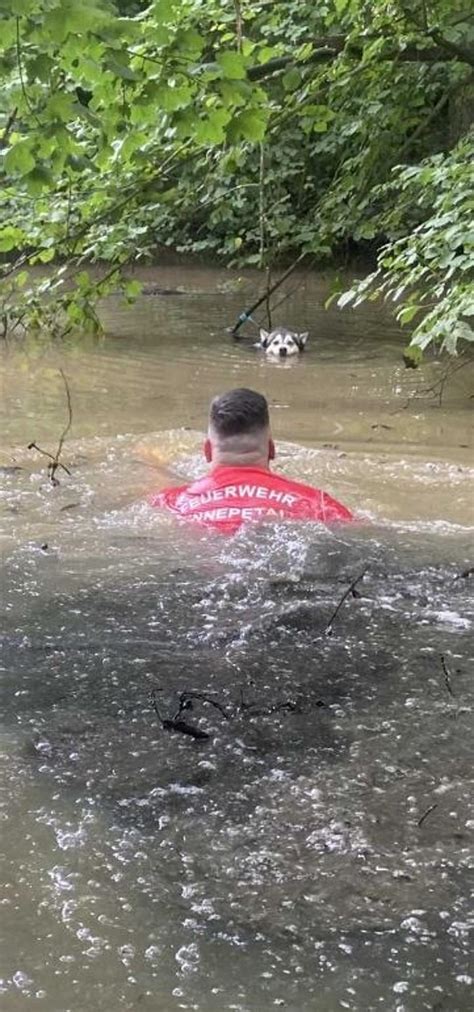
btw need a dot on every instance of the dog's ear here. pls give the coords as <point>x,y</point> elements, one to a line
<point>264,337</point>
<point>301,339</point>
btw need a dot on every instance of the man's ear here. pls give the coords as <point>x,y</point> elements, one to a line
<point>302,339</point>
<point>264,336</point>
<point>271,450</point>
<point>208,450</point>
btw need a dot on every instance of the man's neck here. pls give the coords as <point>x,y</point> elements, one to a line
<point>239,460</point>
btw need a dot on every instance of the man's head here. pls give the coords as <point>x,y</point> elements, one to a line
<point>239,430</point>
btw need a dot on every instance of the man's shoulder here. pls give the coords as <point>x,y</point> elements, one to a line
<point>300,487</point>
<point>172,492</point>
<point>325,505</point>
<point>167,495</point>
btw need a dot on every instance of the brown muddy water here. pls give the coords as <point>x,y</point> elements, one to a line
<point>315,850</point>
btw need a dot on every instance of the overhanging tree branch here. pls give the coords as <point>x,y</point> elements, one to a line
<point>456,51</point>
<point>426,123</point>
<point>327,49</point>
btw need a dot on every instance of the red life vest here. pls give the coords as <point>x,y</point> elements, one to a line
<point>231,496</point>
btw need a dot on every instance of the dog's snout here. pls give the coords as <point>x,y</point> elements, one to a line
<point>283,352</point>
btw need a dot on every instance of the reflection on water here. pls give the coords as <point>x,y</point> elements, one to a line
<point>314,850</point>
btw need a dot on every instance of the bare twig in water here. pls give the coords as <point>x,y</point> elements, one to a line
<point>53,466</point>
<point>426,814</point>
<point>246,315</point>
<point>437,388</point>
<point>184,728</point>
<point>176,724</point>
<point>254,710</point>
<point>185,703</point>
<point>54,460</point>
<point>466,573</point>
<point>284,298</point>
<point>350,590</point>
<point>268,303</point>
<point>69,419</point>
<point>155,705</point>
<point>447,677</point>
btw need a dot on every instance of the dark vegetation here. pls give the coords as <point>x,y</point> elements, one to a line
<point>249,131</point>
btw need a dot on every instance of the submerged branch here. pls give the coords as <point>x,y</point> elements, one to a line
<point>447,677</point>
<point>350,590</point>
<point>177,724</point>
<point>437,388</point>
<point>54,459</point>
<point>69,419</point>
<point>426,814</point>
<point>466,573</point>
<point>186,698</point>
<point>247,313</point>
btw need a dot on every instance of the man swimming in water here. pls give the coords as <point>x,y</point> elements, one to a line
<point>240,487</point>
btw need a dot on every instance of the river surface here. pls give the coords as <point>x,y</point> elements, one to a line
<point>312,849</point>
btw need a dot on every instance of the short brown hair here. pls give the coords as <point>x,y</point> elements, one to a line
<point>238,412</point>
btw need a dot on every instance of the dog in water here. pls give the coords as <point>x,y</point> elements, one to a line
<point>282,342</point>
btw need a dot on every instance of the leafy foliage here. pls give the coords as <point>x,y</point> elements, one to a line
<point>429,268</point>
<point>245,130</point>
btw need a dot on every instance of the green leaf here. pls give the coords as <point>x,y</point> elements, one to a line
<point>46,256</point>
<point>232,64</point>
<point>346,298</point>
<point>19,159</point>
<point>122,70</point>
<point>20,7</point>
<point>330,299</point>
<point>166,10</point>
<point>132,289</point>
<point>10,238</point>
<point>39,179</point>
<point>234,94</point>
<point>40,67</point>
<point>407,314</point>
<point>291,79</point>
<point>83,281</point>
<point>60,106</point>
<point>412,357</point>
<point>59,23</point>
<point>191,41</point>
<point>211,129</point>
<point>464,331</point>
<point>305,51</point>
<point>250,126</point>
<point>421,339</point>
<point>268,53</point>
<point>170,99</point>
<point>72,18</point>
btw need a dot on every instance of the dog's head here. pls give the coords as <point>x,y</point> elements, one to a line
<point>282,342</point>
